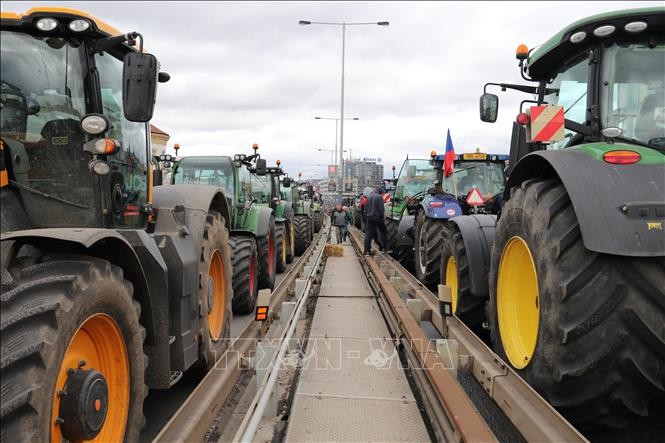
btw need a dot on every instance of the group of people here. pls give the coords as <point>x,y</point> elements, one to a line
<point>373,211</point>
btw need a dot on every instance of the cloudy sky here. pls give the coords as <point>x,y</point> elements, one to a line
<point>246,72</point>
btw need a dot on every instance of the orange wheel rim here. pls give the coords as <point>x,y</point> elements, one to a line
<point>99,344</point>
<point>216,296</point>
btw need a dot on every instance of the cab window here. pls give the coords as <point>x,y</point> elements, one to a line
<point>129,168</point>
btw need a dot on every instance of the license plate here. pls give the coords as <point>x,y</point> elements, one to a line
<point>474,156</point>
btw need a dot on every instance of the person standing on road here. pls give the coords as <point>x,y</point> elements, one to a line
<point>345,235</point>
<point>339,221</point>
<point>376,221</point>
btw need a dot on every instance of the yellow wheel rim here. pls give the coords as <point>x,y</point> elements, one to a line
<point>216,296</point>
<point>517,302</point>
<point>451,280</point>
<point>99,344</point>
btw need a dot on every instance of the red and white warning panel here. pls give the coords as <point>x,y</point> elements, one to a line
<point>547,124</point>
<point>475,198</point>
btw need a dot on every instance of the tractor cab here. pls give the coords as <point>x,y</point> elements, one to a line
<point>478,181</point>
<point>74,111</point>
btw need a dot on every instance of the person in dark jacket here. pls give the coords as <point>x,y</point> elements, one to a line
<point>339,221</point>
<point>375,212</point>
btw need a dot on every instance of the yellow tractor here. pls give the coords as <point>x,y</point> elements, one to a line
<point>110,286</point>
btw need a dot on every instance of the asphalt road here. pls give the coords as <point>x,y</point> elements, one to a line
<point>160,405</point>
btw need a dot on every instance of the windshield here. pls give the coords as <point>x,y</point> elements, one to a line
<point>261,188</point>
<point>416,176</point>
<point>487,177</point>
<point>634,91</point>
<point>43,98</point>
<point>205,171</point>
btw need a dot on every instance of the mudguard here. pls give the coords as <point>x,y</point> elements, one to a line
<point>620,208</point>
<point>405,234</point>
<point>478,235</point>
<point>263,221</point>
<point>440,206</point>
<point>195,197</point>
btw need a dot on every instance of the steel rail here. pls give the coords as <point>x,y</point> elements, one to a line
<point>250,423</point>
<point>193,418</point>
<point>529,412</point>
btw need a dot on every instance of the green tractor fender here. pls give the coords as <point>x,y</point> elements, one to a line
<point>257,220</point>
<point>619,208</point>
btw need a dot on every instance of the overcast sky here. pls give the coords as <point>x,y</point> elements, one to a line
<point>246,72</point>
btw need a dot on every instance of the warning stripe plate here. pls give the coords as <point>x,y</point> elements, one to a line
<point>547,123</point>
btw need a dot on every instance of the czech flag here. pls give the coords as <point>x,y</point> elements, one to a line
<point>448,164</point>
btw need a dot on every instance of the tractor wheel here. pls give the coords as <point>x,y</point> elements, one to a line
<point>267,257</point>
<point>316,222</point>
<point>455,274</point>
<point>392,227</point>
<point>216,291</point>
<point>280,247</point>
<point>428,242</point>
<point>290,242</point>
<point>301,225</point>
<point>72,363</point>
<point>245,274</point>
<point>584,329</point>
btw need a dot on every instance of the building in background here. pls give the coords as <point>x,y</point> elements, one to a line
<point>360,173</point>
<point>158,140</point>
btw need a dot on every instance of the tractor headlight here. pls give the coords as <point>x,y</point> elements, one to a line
<point>79,25</point>
<point>578,37</point>
<point>99,167</point>
<point>604,31</point>
<point>635,27</point>
<point>47,24</point>
<point>236,157</point>
<point>95,124</point>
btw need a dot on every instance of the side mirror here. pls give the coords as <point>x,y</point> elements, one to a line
<point>157,177</point>
<point>489,107</point>
<point>261,168</point>
<point>139,86</point>
<point>286,182</point>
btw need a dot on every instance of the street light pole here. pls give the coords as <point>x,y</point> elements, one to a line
<point>341,126</point>
<point>334,162</point>
<point>341,117</point>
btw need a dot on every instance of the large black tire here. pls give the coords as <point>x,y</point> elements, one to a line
<point>290,242</point>
<point>44,302</point>
<point>301,228</point>
<point>470,308</point>
<point>427,248</point>
<point>215,240</point>
<point>280,247</point>
<point>600,351</point>
<point>245,274</point>
<point>316,221</point>
<point>267,257</point>
<point>392,228</point>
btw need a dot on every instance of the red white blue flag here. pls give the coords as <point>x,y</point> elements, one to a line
<point>448,164</point>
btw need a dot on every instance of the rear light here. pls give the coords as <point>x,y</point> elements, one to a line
<point>522,118</point>
<point>436,204</point>
<point>261,313</point>
<point>622,157</point>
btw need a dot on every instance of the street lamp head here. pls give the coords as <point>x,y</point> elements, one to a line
<point>304,22</point>
<point>317,118</point>
<point>356,118</point>
<point>383,23</point>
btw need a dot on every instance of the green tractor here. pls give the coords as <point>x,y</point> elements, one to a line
<point>253,237</point>
<point>301,199</point>
<point>577,272</point>
<point>110,285</point>
<point>285,231</point>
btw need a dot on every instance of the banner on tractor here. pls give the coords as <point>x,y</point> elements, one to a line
<point>547,124</point>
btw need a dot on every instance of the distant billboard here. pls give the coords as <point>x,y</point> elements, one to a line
<point>372,159</point>
<point>332,170</point>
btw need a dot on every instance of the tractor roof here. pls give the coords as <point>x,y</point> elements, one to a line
<point>490,157</point>
<point>28,19</point>
<point>555,50</point>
